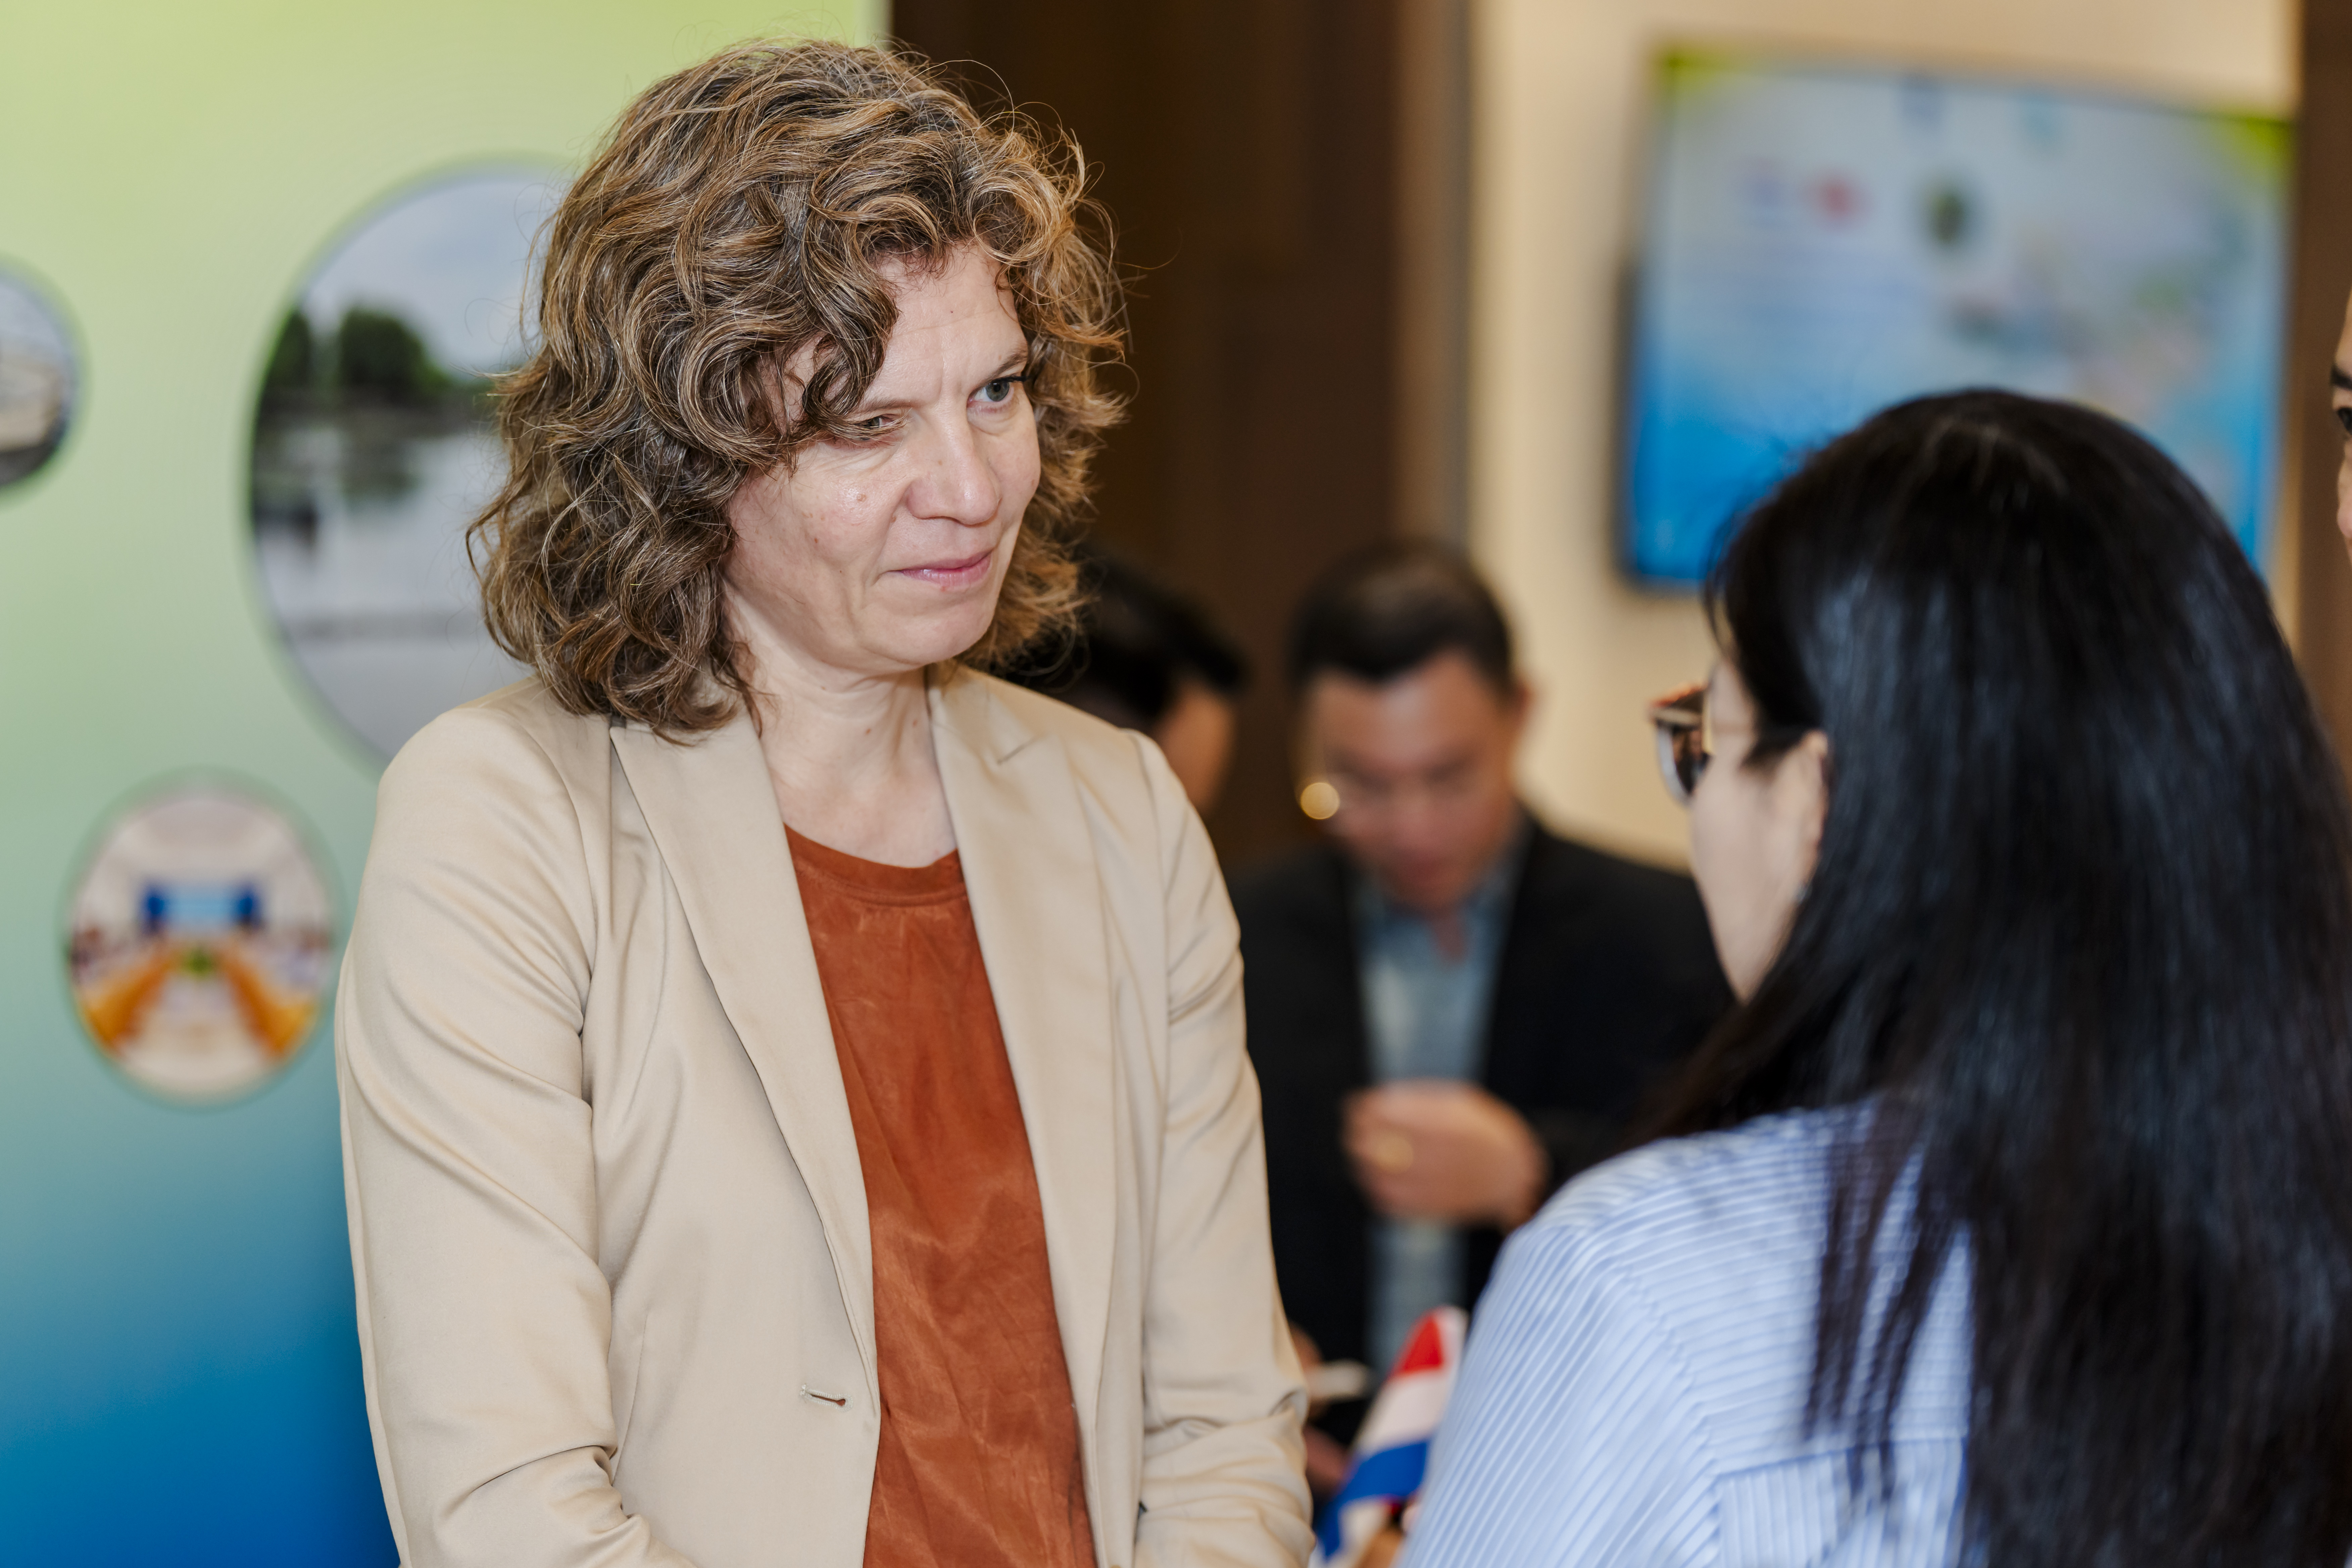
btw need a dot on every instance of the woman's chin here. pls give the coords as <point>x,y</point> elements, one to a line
<point>920,642</point>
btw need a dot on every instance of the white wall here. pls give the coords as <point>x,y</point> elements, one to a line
<point>1560,105</point>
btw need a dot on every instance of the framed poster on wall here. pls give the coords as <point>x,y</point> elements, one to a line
<point>373,447</point>
<point>198,941</point>
<point>1820,240</point>
<point>36,378</point>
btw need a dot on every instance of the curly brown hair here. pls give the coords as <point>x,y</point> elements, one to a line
<point>740,212</point>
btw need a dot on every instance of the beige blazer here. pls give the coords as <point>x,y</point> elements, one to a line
<point>615,1284</point>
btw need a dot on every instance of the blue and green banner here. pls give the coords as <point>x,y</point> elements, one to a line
<point>224,568</point>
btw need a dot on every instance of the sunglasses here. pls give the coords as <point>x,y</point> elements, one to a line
<point>1680,718</point>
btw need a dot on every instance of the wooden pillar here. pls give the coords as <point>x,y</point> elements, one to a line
<point>1433,268</point>
<point>2322,277</point>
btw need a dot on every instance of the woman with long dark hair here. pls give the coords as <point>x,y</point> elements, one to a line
<point>2012,1219</point>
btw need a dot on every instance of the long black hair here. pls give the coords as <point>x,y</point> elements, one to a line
<point>2080,939</point>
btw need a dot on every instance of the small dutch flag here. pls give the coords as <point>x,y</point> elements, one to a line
<point>1391,1452</point>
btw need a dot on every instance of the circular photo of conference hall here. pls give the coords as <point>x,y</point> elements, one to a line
<point>199,940</point>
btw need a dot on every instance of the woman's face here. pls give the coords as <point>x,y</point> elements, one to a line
<point>1754,833</point>
<point>882,554</point>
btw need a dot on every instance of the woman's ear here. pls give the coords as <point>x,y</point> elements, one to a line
<point>1801,798</point>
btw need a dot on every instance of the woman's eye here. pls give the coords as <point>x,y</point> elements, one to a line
<point>2344,417</point>
<point>1000,390</point>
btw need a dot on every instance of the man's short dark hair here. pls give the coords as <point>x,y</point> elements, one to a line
<point>1392,607</point>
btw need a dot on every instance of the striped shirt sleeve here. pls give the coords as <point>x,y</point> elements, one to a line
<point>1573,1437</point>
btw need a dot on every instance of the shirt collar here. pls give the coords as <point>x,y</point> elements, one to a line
<point>1487,900</point>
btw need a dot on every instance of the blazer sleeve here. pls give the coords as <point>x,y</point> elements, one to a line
<point>470,1174</point>
<point>1223,1402</point>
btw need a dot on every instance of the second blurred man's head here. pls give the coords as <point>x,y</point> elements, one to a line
<point>1147,658</point>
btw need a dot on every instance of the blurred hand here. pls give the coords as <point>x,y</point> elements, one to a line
<point>1327,1464</point>
<point>1327,1461</point>
<point>1434,1149</point>
<point>1311,1356</point>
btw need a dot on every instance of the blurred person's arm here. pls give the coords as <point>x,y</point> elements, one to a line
<point>1327,1461</point>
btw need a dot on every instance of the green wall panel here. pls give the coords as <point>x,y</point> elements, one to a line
<point>178,1373</point>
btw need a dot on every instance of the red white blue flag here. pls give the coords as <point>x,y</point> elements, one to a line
<point>1391,1452</point>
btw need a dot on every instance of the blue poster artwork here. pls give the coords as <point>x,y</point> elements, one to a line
<point>1824,240</point>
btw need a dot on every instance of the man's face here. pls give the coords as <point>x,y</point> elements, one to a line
<point>2340,395</point>
<point>1423,765</point>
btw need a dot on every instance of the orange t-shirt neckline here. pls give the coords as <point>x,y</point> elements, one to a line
<point>979,1464</point>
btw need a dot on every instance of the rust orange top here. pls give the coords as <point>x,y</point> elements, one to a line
<point>979,1465</point>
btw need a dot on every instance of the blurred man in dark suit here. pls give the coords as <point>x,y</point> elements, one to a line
<point>1452,1010</point>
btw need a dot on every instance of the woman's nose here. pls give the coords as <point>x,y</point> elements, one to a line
<point>958,482</point>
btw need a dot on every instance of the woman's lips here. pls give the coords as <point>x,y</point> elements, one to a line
<point>951,573</point>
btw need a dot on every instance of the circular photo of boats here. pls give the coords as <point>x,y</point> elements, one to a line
<point>373,449</point>
<point>36,380</point>
<point>198,943</point>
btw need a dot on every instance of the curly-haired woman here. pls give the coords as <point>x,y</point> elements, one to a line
<point>794,1092</point>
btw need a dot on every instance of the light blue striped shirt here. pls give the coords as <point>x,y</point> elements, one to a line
<point>1633,1390</point>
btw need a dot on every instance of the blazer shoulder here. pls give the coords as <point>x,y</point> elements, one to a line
<point>516,744</point>
<point>494,811</point>
<point>1088,739</point>
<point>1131,796</point>
<point>1122,770</point>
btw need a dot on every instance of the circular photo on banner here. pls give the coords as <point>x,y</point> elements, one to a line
<point>372,448</point>
<point>36,380</point>
<point>199,940</point>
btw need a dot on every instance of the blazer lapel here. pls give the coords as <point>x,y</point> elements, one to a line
<point>713,816</point>
<point>1037,902</point>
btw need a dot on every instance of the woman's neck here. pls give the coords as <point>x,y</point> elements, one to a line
<point>850,758</point>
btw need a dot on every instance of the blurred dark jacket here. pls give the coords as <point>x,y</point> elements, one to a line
<point>1607,978</point>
